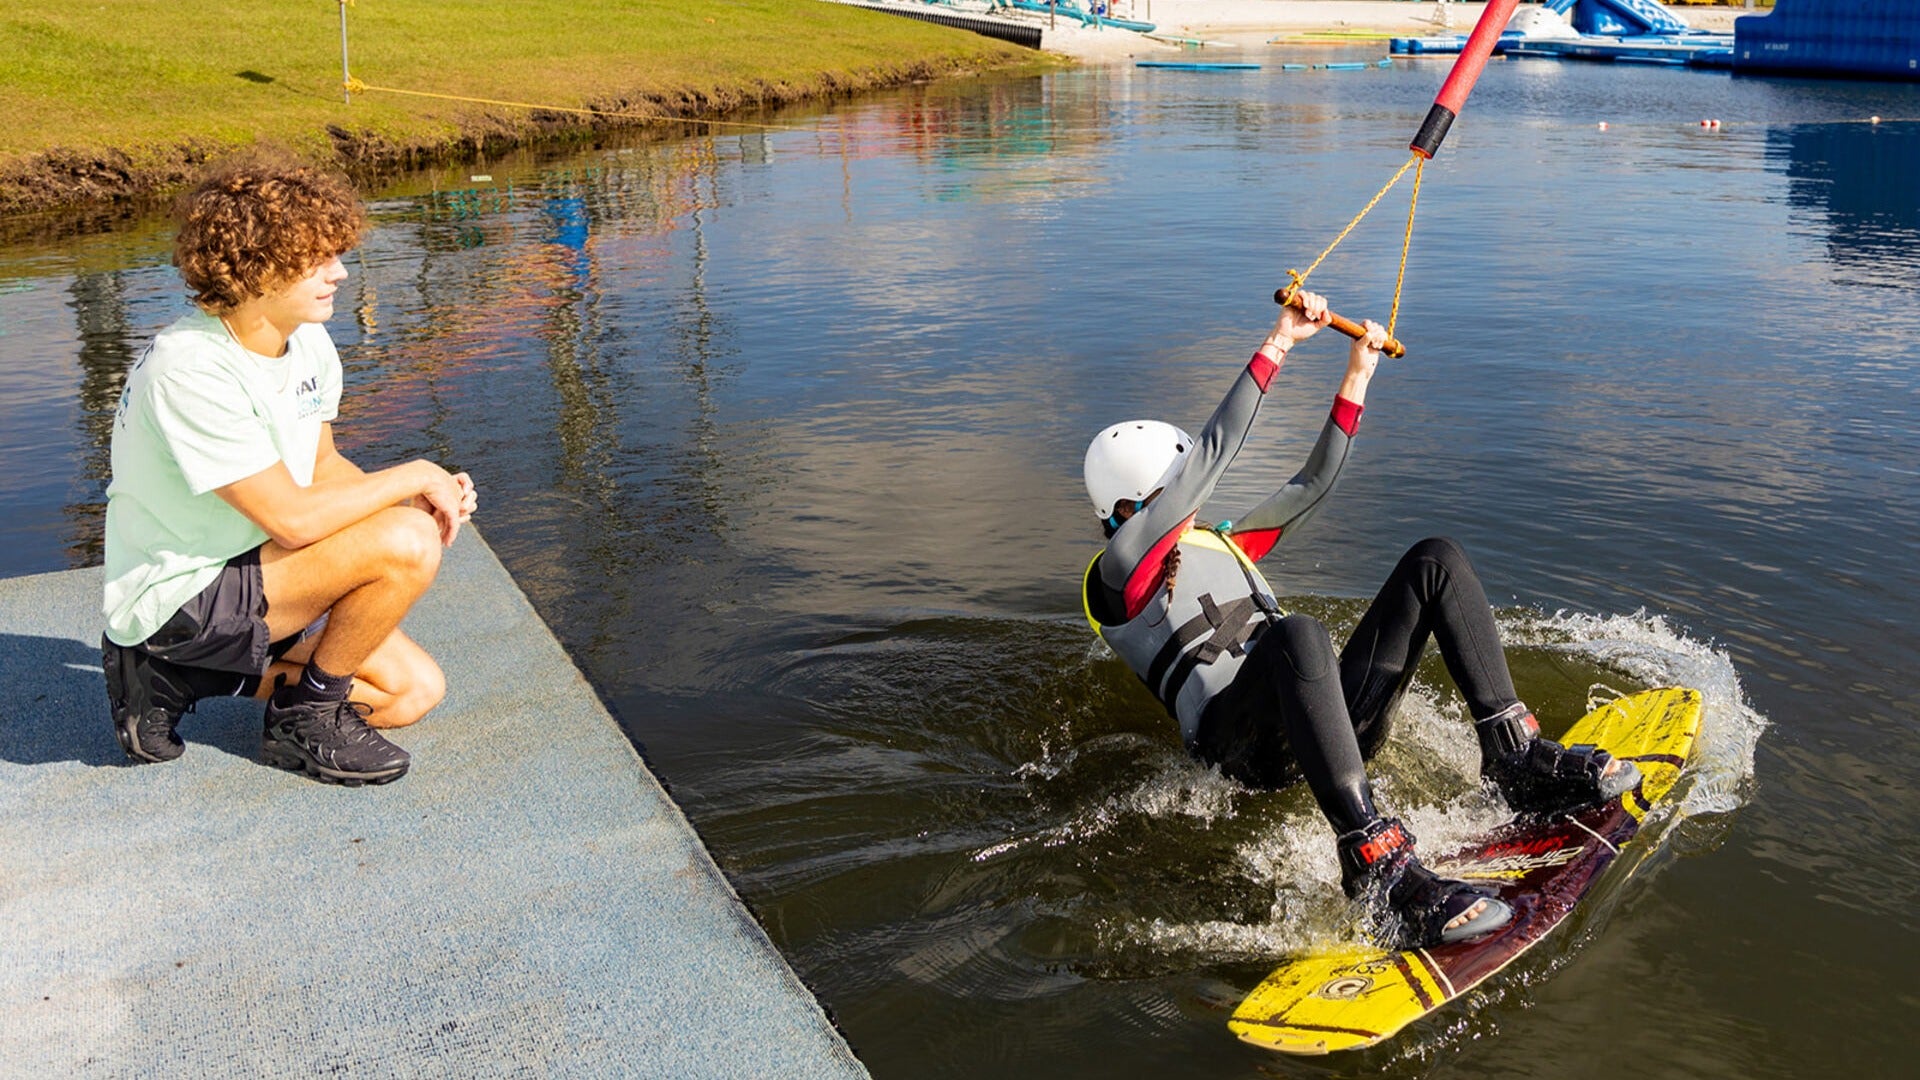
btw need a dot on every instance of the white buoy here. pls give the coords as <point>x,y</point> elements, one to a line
<point>1603,125</point>
<point>1874,120</point>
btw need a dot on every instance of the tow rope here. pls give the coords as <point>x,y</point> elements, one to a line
<point>1426,142</point>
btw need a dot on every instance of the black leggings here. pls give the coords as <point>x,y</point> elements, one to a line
<point>1294,711</point>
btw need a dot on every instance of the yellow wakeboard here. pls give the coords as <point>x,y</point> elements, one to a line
<point>1356,996</point>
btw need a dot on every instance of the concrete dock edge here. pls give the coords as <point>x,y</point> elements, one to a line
<point>527,901</point>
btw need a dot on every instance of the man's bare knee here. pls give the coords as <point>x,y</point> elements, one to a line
<point>423,688</point>
<point>431,688</point>
<point>408,540</point>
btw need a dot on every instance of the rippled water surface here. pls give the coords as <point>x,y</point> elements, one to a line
<point>780,429</point>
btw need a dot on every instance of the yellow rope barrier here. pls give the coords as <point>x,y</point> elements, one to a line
<point>355,86</point>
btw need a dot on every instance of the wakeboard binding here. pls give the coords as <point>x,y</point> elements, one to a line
<point>1408,905</point>
<point>1540,776</point>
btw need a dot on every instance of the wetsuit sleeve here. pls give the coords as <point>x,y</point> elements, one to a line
<point>1262,527</point>
<point>1134,564</point>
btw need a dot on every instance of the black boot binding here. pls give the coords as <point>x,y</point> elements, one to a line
<point>1378,860</point>
<point>1539,776</point>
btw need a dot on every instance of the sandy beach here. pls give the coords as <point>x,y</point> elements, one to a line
<point>1252,22</point>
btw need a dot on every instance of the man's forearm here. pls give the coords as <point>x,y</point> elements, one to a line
<point>296,516</point>
<point>328,506</point>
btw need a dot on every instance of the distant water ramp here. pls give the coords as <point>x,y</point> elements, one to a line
<point>1017,33</point>
<point>526,901</point>
<point>1619,17</point>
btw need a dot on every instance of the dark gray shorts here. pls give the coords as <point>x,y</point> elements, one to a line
<point>224,627</point>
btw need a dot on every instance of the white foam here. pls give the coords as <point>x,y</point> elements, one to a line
<point>1645,648</point>
<point>1181,788</point>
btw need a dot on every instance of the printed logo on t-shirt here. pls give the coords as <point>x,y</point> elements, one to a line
<point>308,399</point>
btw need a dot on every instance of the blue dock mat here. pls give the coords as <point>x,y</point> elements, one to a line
<point>1188,65</point>
<point>1195,65</point>
<point>527,901</point>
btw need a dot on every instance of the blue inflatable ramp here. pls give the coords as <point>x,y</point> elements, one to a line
<point>1857,39</point>
<point>1619,18</point>
<point>1591,18</point>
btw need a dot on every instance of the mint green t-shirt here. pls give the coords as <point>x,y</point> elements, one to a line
<point>200,412</point>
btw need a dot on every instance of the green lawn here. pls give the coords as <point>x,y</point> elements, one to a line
<point>140,84</point>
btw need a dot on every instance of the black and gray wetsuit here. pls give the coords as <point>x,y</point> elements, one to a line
<point>1257,691</point>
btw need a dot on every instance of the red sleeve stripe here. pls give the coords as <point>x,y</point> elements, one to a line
<point>1346,415</point>
<point>1152,571</point>
<point>1263,370</point>
<point>1256,542</point>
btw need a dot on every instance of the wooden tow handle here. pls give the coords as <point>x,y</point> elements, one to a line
<point>1347,326</point>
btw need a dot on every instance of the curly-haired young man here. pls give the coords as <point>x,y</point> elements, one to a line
<point>245,555</point>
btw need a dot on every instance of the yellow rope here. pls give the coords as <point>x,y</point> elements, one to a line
<point>355,86</point>
<point>1300,276</point>
<point>1406,243</point>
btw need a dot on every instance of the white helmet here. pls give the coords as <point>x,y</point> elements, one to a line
<point>1131,460</point>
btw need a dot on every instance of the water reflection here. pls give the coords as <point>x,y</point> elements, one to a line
<point>1864,181</point>
<point>106,339</point>
<point>781,433</point>
<point>594,276</point>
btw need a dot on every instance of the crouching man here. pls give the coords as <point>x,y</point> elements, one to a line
<point>245,555</point>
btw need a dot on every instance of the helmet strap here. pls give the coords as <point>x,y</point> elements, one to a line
<point>1113,522</point>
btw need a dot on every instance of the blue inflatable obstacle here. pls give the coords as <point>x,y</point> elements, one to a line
<point>1860,39</point>
<point>1629,19</point>
<point>1619,18</point>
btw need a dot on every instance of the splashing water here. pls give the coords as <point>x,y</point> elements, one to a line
<point>1645,648</point>
<point>1428,776</point>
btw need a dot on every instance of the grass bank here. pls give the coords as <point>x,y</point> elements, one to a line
<point>117,99</point>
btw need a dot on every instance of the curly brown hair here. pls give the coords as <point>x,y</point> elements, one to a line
<point>256,225</point>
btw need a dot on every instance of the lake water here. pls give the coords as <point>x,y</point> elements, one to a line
<point>780,428</point>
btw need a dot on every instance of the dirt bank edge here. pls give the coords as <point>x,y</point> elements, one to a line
<point>80,179</point>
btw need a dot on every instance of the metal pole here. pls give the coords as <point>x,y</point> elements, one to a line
<point>346,79</point>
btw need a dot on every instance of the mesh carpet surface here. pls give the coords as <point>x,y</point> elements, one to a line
<point>527,901</point>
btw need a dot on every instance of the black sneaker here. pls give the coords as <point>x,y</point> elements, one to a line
<point>330,741</point>
<point>148,696</point>
<point>1539,776</point>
